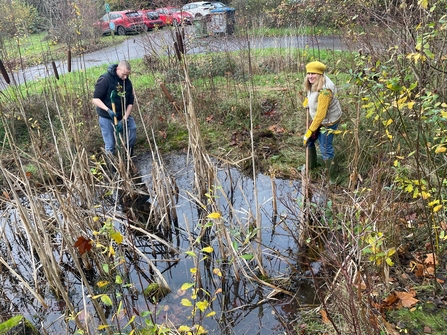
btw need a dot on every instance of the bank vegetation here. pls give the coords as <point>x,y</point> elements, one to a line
<point>379,234</point>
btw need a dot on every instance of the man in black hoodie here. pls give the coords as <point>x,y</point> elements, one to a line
<point>116,79</point>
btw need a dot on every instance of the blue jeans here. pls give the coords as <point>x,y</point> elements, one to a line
<point>109,133</point>
<point>325,139</point>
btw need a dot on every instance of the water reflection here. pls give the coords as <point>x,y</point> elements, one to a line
<point>242,306</point>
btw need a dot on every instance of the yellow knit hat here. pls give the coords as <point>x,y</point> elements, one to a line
<point>315,67</point>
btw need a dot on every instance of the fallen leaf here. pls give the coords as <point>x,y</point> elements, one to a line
<point>419,270</point>
<point>83,244</point>
<point>389,301</point>
<point>277,129</point>
<point>407,299</point>
<point>324,316</point>
<point>431,259</point>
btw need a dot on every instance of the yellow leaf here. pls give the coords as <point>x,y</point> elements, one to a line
<point>200,330</point>
<point>210,314</point>
<point>208,249</point>
<point>186,302</point>
<point>106,300</point>
<point>214,215</point>
<point>388,134</point>
<point>193,270</point>
<point>101,327</point>
<point>190,253</point>
<point>202,305</point>
<point>183,329</point>
<point>186,286</point>
<point>423,3</point>
<point>217,272</point>
<point>425,195</point>
<point>410,104</point>
<point>111,251</point>
<point>132,319</point>
<point>389,261</point>
<point>391,252</point>
<point>437,208</point>
<point>102,283</point>
<point>440,149</point>
<point>117,237</point>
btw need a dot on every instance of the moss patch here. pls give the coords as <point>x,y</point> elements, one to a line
<point>424,319</point>
<point>156,292</point>
<point>18,325</point>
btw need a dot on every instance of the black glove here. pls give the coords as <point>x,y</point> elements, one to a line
<point>112,114</point>
<point>119,126</point>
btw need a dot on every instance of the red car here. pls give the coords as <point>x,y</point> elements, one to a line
<point>121,23</point>
<point>151,19</point>
<point>174,16</point>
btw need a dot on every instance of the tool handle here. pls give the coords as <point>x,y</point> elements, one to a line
<point>115,120</point>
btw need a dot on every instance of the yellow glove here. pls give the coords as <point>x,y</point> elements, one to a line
<point>307,136</point>
<point>305,102</point>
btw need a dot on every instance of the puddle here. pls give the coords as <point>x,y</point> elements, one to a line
<point>242,306</point>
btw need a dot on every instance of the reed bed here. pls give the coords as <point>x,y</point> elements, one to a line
<point>69,225</point>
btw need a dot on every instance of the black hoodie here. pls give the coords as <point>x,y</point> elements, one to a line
<point>108,82</point>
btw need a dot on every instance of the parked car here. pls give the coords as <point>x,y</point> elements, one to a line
<point>165,15</point>
<point>174,16</point>
<point>121,22</point>
<point>151,19</point>
<point>199,8</point>
<point>219,7</point>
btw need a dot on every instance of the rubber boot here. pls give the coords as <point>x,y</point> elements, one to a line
<point>312,152</point>
<point>332,169</point>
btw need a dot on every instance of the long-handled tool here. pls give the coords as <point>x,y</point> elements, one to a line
<point>113,96</point>
<point>305,194</point>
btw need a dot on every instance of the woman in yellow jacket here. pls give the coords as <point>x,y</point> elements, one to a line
<point>325,111</point>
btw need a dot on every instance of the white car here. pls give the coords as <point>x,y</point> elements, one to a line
<point>199,8</point>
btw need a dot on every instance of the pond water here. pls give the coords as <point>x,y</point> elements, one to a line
<point>242,306</point>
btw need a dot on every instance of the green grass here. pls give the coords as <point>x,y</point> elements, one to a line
<point>292,31</point>
<point>426,315</point>
<point>221,97</point>
<point>35,49</point>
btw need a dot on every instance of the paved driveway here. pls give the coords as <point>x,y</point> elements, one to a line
<point>162,42</point>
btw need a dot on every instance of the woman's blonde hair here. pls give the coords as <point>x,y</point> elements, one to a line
<point>317,86</point>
